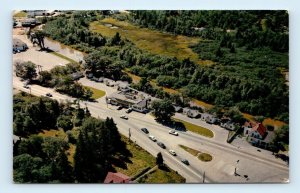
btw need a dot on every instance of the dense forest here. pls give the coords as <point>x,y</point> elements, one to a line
<point>251,28</point>
<point>44,159</point>
<point>248,48</point>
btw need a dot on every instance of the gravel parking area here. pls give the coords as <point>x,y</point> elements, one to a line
<point>46,60</point>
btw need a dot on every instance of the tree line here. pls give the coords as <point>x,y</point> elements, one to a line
<point>40,159</point>
<point>251,28</point>
<point>248,78</point>
<point>60,78</point>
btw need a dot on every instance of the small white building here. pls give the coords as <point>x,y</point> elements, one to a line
<point>33,13</point>
<point>19,46</point>
<point>192,113</point>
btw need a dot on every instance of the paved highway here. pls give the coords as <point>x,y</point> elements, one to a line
<point>250,166</point>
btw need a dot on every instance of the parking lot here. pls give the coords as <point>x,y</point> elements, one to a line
<point>46,60</point>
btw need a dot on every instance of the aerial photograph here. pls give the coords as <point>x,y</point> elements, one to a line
<point>150,96</point>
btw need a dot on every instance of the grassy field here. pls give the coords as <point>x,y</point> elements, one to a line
<point>96,92</point>
<point>153,41</point>
<point>60,133</point>
<point>20,14</point>
<point>141,159</point>
<point>135,79</point>
<point>196,128</point>
<point>161,176</point>
<point>200,155</point>
<point>202,104</point>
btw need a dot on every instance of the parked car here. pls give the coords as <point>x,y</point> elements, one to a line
<point>185,161</point>
<point>172,152</point>
<point>152,138</point>
<point>173,132</point>
<point>49,95</point>
<point>124,117</point>
<point>145,130</point>
<point>119,107</point>
<point>160,144</point>
<point>128,110</point>
<point>26,86</point>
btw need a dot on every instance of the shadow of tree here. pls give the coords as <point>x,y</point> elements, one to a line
<point>164,168</point>
<point>174,125</point>
<point>122,156</point>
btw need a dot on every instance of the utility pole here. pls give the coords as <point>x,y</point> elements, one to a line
<point>235,169</point>
<point>106,102</point>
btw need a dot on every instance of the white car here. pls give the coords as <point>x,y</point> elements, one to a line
<point>152,138</point>
<point>172,152</point>
<point>173,132</point>
<point>124,117</point>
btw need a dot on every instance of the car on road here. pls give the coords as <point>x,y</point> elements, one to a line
<point>124,117</point>
<point>128,110</point>
<point>145,130</point>
<point>49,95</point>
<point>119,108</point>
<point>185,161</point>
<point>172,152</point>
<point>160,144</point>
<point>173,132</point>
<point>152,138</point>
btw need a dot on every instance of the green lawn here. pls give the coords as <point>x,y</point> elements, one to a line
<point>200,155</point>
<point>196,128</point>
<point>141,159</point>
<point>96,92</point>
<point>162,176</point>
<point>153,41</point>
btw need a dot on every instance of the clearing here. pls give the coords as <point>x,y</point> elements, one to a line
<point>96,92</point>
<point>153,41</point>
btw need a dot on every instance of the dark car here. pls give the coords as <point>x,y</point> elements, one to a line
<point>160,144</point>
<point>49,95</point>
<point>128,110</point>
<point>186,162</point>
<point>119,107</point>
<point>145,130</point>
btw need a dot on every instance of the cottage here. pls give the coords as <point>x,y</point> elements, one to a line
<point>208,118</point>
<point>33,13</point>
<point>19,46</point>
<point>227,124</point>
<point>28,22</point>
<point>122,85</point>
<point>116,178</point>
<point>257,134</point>
<point>178,109</point>
<point>191,112</point>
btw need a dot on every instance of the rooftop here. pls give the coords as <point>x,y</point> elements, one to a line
<point>116,178</point>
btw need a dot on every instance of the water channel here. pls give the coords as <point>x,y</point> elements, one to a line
<point>64,50</point>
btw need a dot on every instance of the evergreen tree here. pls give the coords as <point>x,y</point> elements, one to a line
<point>63,168</point>
<point>116,39</point>
<point>159,160</point>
